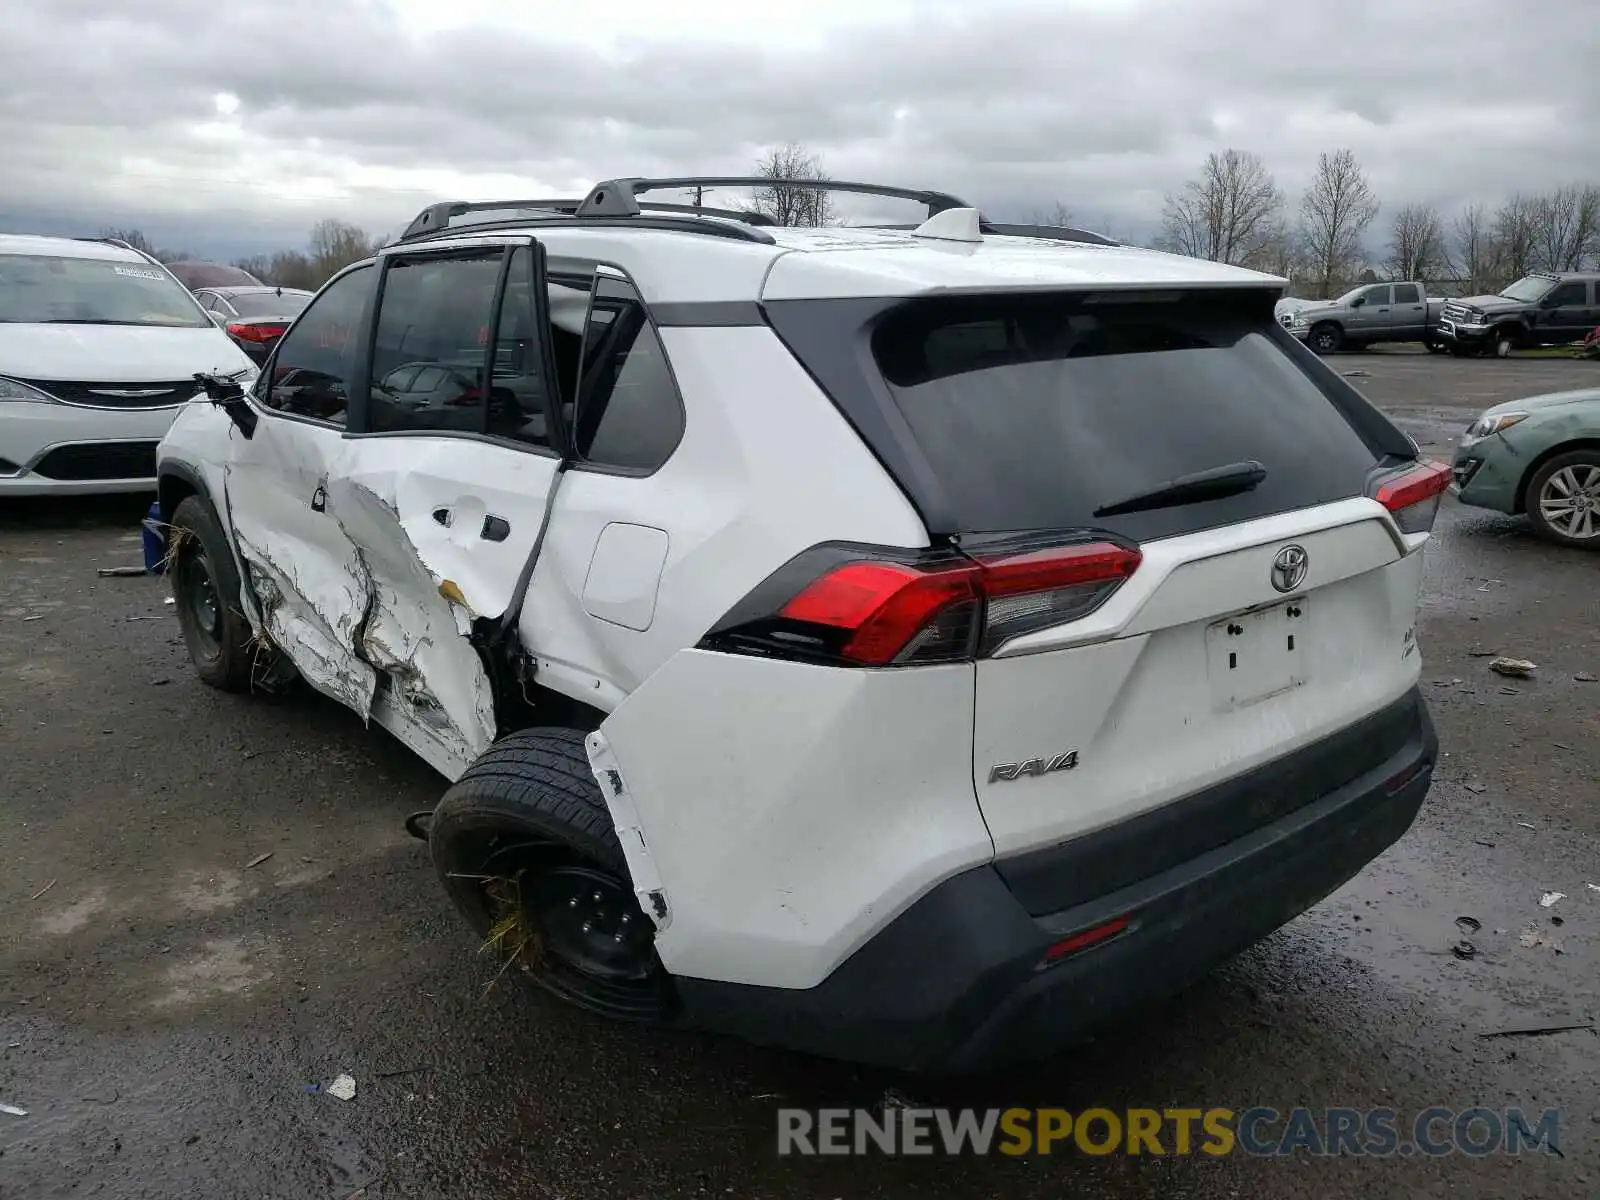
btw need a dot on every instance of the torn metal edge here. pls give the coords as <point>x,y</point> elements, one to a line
<point>647,885</point>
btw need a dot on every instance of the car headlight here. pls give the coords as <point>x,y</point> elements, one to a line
<point>1487,425</point>
<point>13,389</point>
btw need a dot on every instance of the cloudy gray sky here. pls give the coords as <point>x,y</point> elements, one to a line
<point>232,125</point>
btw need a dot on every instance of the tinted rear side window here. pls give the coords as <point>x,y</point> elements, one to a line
<point>1034,412</point>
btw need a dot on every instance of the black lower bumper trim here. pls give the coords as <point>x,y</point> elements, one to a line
<point>957,983</point>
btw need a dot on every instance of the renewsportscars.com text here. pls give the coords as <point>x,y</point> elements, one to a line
<point>1259,1131</point>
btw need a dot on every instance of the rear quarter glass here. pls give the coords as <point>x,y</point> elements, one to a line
<point>1012,412</point>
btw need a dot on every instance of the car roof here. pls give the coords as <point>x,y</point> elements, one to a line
<point>66,247</point>
<point>679,265</point>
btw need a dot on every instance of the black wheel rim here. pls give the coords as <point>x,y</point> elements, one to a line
<point>1324,341</point>
<point>583,936</point>
<point>200,599</point>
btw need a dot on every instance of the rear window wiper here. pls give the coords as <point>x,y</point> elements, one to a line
<point>1212,484</point>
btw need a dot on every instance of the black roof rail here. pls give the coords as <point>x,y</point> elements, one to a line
<point>670,222</point>
<point>619,196</point>
<point>1057,233</point>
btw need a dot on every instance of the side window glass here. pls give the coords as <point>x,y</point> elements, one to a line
<point>1377,297</point>
<point>516,376</point>
<point>310,373</point>
<point>430,342</point>
<point>1570,293</point>
<point>1407,293</point>
<point>628,414</point>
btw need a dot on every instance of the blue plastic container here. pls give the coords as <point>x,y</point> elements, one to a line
<point>155,540</point>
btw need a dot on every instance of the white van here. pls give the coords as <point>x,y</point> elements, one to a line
<point>99,347</point>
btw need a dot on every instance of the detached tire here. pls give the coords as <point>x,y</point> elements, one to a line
<point>1563,499</point>
<point>524,846</point>
<point>205,588</point>
<point>1507,341</point>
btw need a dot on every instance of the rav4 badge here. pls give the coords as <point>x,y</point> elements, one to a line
<point>1005,772</point>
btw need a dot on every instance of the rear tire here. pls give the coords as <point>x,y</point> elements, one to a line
<point>524,846</point>
<point>1563,499</point>
<point>205,588</point>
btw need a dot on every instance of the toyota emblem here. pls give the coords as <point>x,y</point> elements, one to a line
<point>1289,568</point>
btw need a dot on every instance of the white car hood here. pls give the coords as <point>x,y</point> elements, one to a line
<point>115,353</point>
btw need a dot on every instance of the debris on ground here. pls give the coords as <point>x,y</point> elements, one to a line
<point>169,600</point>
<point>1509,692</point>
<point>1476,788</point>
<point>1464,950</point>
<point>1482,653</point>
<point>1534,936</point>
<point>1585,677</point>
<point>1481,842</point>
<point>1357,374</point>
<point>1515,668</point>
<point>258,860</point>
<point>1539,1030</point>
<point>109,572</point>
<point>343,1088</point>
<point>39,617</point>
<point>1524,825</point>
<point>1468,924</point>
<point>1549,898</point>
<point>1593,887</point>
<point>11,1110</point>
<point>43,890</point>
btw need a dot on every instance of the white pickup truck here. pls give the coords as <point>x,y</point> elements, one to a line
<point>1373,312</point>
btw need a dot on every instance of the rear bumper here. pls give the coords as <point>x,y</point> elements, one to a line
<point>959,982</point>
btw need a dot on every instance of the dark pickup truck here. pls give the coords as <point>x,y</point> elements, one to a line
<point>1542,309</point>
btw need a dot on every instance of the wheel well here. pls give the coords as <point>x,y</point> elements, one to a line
<point>1533,467</point>
<point>542,706</point>
<point>171,491</point>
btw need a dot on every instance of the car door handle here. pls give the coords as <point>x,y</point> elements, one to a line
<point>495,529</point>
<point>319,501</point>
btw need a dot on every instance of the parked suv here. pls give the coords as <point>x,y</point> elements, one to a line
<point>912,646</point>
<point>1378,312</point>
<point>1542,309</point>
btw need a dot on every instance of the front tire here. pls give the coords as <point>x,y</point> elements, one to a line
<point>1325,338</point>
<point>1563,499</point>
<point>1507,341</point>
<point>205,588</point>
<point>524,846</point>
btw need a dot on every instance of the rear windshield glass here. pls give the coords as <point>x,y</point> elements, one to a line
<point>204,275</point>
<point>92,291</point>
<point>1034,412</point>
<point>268,304</point>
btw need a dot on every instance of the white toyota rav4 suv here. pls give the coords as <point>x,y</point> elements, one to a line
<point>912,645</point>
<point>99,347</point>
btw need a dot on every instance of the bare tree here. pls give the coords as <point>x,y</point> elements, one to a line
<point>1335,213</point>
<point>1563,226</point>
<point>1057,216</point>
<point>1278,253</point>
<point>1226,214</point>
<point>1514,238</point>
<point>335,245</point>
<point>1475,248</point>
<point>1418,249</point>
<point>788,203</point>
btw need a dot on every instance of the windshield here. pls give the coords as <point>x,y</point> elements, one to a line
<point>92,291</point>
<point>1352,294</point>
<point>269,304</point>
<point>1528,289</point>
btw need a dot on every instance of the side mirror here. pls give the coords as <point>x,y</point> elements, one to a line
<point>227,395</point>
<point>1358,302</point>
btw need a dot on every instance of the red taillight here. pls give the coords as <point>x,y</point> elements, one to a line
<point>1085,939</point>
<point>255,333</point>
<point>881,613</point>
<point>1413,496</point>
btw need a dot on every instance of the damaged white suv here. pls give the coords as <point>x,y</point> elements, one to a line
<point>912,645</point>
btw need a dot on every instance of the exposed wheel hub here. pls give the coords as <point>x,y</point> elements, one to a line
<point>592,922</point>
